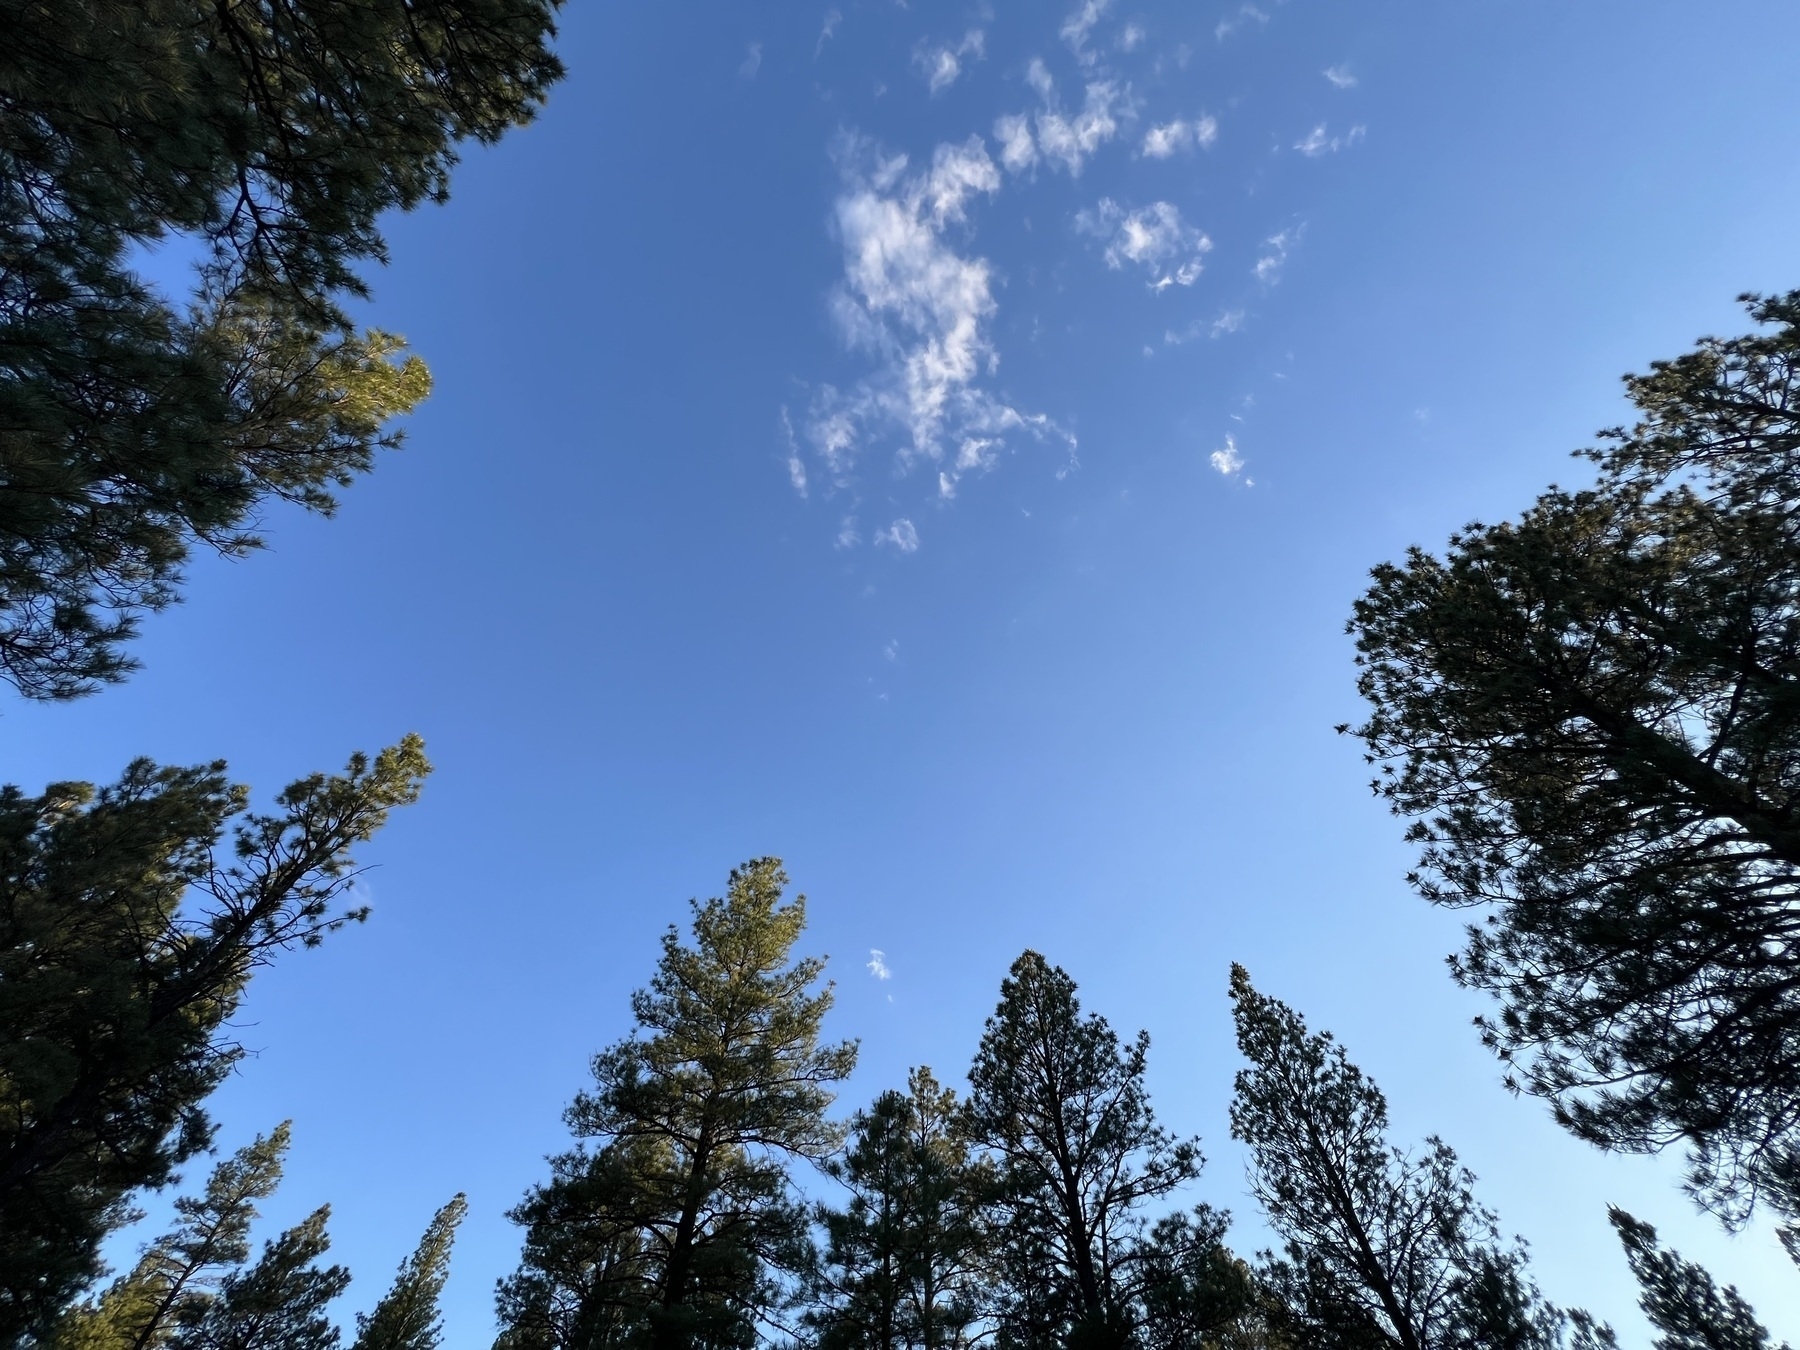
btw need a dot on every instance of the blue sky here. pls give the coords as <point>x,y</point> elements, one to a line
<point>940,446</point>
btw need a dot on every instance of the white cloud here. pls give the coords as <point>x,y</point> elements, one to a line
<point>1037,75</point>
<point>922,308</point>
<point>796,467</point>
<point>1131,38</point>
<point>1246,14</point>
<point>827,30</point>
<point>1162,141</point>
<point>752,62</point>
<point>1229,321</point>
<point>892,650</point>
<point>1070,140</point>
<point>902,534</point>
<point>1340,77</point>
<point>940,65</point>
<point>878,966</point>
<point>1079,24</point>
<point>1017,150</point>
<point>847,537</point>
<point>1155,237</point>
<point>1316,142</point>
<point>1277,246</point>
<point>1227,460</point>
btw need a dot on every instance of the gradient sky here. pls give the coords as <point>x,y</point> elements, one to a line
<point>940,446</point>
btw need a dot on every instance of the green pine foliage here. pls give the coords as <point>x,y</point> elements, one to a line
<point>270,135</point>
<point>1592,716</point>
<point>1688,1310</point>
<point>1061,1107</point>
<point>1382,1248</point>
<point>407,1317</point>
<point>178,1275</point>
<point>679,1228</point>
<point>279,1302</point>
<point>126,942</point>
<point>905,1260</point>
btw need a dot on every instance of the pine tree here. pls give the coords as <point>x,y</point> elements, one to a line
<point>1198,1294</point>
<point>179,1274</point>
<point>1688,1310</point>
<point>1592,715</point>
<point>277,1304</point>
<point>1062,1107</point>
<point>272,135</point>
<point>903,1259</point>
<point>1384,1250</point>
<point>407,1317</point>
<point>125,947</point>
<point>677,1229</point>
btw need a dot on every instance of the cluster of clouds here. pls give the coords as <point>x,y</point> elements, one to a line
<point>1063,139</point>
<point>1182,134</point>
<point>1154,237</point>
<point>941,64</point>
<point>1318,142</point>
<point>920,307</point>
<point>919,302</point>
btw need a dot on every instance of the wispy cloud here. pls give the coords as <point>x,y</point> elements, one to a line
<point>1079,24</point>
<point>878,966</point>
<point>1245,14</point>
<point>1131,37</point>
<point>1340,77</point>
<point>902,534</point>
<point>921,308</point>
<point>940,64</point>
<point>1229,321</point>
<point>1316,142</point>
<point>1227,460</point>
<point>796,466</point>
<point>752,62</point>
<point>1275,253</point>
<point>1162,141</point>
<point>827,30</point>
<point>1018,152</point>
<point>1064,139</point>
<point>1155,237</point>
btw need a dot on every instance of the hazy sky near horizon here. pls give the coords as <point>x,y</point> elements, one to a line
<point>939,445</point>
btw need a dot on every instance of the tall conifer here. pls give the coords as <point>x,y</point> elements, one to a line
<point>904,1258</point>
<point>1383,1249</point>
<point>1063,1109</point>
<point>679,1227</point>
<point>407,1317</point>
<point>126,943</point>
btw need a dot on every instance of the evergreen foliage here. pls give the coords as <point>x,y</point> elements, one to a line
<point>679,1228</point>
<point>904,1259</point>
<point>277,1304</point>
<point>178,1276</point>
<point>270,135</point>
<point>1061,1106</point>
<point>1593,715</point>
<point>1382,1249</point>
<point>125,947</point>
<point>407,1317</point>
<point>1684,1305</point>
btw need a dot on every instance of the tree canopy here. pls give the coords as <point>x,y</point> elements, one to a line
<point>1061,1106</point>
<point>1592,715</point>
<point>678,1229</point>
<point>125,947</point>
<point>268,136</point>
